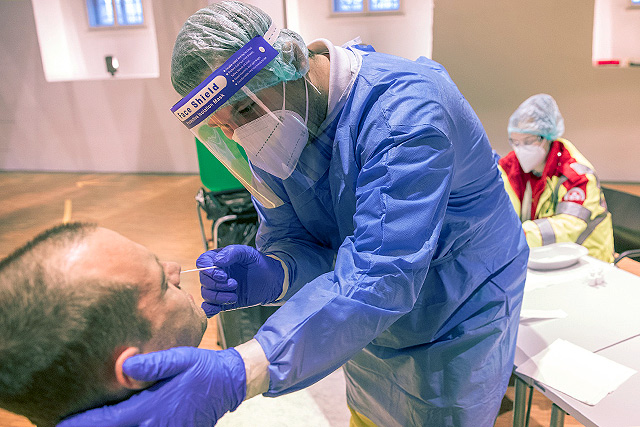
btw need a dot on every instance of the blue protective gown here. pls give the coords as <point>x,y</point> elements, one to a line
<point>406,259</point>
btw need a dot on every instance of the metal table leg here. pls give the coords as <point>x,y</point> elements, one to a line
<point>519,403</point>
<point>557,416</point>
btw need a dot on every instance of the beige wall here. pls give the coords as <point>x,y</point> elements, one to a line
<point>499,52</point>
<point>102,125</point>
<point>502,51</point>
<point>407,34</point>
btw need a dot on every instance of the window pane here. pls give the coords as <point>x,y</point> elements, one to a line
<point>382,5</point>
<point>100,13</point>
<point>129,12</point>
<point>347,5</point>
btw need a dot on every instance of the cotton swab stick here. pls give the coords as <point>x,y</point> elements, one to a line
<point>199,269</point>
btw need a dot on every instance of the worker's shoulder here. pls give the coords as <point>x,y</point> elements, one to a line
<point>509,163</point>
<point>576,167</point>
<point>378,66</point>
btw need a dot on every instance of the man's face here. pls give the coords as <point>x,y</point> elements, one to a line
<point>517,139</point>
<point>230,117</point>
<point>176,319</point>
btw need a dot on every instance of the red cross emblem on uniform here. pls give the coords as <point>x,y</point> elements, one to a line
<point>575,195</point>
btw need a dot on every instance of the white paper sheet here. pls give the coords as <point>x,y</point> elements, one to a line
<point>543,279</point>
<point>571,369</point>
<point>531,314</point>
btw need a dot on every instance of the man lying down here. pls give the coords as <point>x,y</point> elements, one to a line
<point>75,302</point>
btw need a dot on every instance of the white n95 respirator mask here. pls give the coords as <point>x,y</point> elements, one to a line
<point>274,142</point>
<point>530,156</point>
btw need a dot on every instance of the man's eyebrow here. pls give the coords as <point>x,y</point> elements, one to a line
<point>164,285</point>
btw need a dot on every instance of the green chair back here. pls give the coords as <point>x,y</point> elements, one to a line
<point>213,174</point>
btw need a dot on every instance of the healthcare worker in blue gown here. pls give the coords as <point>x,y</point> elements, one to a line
<point>385,230</point>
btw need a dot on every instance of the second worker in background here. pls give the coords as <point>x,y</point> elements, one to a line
<point>552,186</point>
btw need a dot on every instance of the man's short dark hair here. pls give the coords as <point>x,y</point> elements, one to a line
<point>58,334</point>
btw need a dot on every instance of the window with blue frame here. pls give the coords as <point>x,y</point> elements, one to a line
<point>347,6</point>
<point>351,6</point>
<point>112,13</point>
<point>384,5</point>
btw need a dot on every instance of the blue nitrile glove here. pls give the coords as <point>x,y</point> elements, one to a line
<point>196,388</point>
<point>246,277</point>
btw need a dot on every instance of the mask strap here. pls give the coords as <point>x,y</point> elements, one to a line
<point>257,100</point>
<point>284,94</point>
<point>312,85</point>
<point>306,91</point>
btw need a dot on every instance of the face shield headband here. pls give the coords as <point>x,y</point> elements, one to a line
<point>221,126</point>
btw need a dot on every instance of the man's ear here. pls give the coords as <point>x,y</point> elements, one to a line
<point>123,379</point>
<point>292,53</point>
<point>301,59</point>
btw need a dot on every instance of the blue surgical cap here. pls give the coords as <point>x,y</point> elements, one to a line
<point>538,115</point>
<point>212,34</point>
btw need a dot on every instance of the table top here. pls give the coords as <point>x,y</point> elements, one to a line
<point>597,316</point>
<point>602,318</point>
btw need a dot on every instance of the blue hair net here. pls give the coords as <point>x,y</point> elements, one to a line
<point>212,34</point>
<point>538,115</point>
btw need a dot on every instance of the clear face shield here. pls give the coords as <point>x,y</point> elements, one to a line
<point>256,136</point>
<point>272,138</point>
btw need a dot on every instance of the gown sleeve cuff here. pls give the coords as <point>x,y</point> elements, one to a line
<point>256,366</point>
<point>285,284</point>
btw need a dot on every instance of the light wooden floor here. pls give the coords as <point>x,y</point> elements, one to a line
<point>157,211</point>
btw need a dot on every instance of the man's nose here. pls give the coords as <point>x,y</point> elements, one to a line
<point>228,132</point>
<point>225,128</point>
<point>172,272</point>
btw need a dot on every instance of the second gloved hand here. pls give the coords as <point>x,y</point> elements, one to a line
<point>245,277</point>
<point>195,388</point>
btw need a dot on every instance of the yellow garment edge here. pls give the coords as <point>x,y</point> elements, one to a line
<point>359,420</point>
<point>567,228</point>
